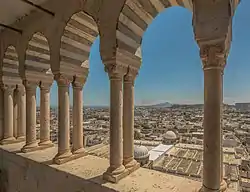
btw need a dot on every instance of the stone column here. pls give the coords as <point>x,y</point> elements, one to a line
<point>78,117</point>
<point>45,115</point>
<point>64,151</point>
<point>21,120</point>
<point>15,112</point>
<point>213,65</point>
<point>31,142</point>
<point>1,113</point>
<point>128,122</point>
<point>8,136</point>
<point>116,168</point>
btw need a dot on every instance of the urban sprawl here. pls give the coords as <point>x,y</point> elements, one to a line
<point>170,139</point>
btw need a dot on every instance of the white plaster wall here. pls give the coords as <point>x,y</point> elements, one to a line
<point>19,174</point>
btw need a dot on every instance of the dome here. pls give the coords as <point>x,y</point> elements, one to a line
<point>140,152</point>
<point>170,135</point>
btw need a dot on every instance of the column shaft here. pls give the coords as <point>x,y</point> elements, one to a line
<point>212,128</point>
<point>128,122</point>
<point>31,142</point>
<point>77,119</point>
<point>116,137</point>
<point>21,120</point>
<point>15,113</point>
<point>1,113</point>
<point>63,121</point>
<point>45,115</point>
<point>8,134</point>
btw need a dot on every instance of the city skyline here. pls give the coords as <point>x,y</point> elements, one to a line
<point>176,57</point>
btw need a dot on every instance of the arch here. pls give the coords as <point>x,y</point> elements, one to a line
<point>76,41</point>
<point>135,17</point>
<point>164,51</point>
<point>234,90</point>
<point>37,57</point>
<point>10,66</point>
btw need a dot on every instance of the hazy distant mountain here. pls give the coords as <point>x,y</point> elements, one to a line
<point>160,105</point>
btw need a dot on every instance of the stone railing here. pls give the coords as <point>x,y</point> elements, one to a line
<point>36,172</point>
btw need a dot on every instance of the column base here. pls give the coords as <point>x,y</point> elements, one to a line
<point>70,156</point>
<point>79,153</point>
<point>132,166</point>
<point>223,187</point>
<point>30,147</point>
<point>61,158</point>
<point>47,143</point>
<point>20,138</point>
<point>8,140</point>
<point>115,175</point>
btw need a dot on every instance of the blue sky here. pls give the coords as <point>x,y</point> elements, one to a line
<point>171,67</point>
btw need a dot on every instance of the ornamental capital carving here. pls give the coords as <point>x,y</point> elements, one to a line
<point>8,88</point>
<point>62,80</point>
<point>20,89</point>
<point>30,85</point>
<point>45,85</point>
<point>78,82</point>
<point>130,75</point>
<point>115,71</point>
<point>213,57</point>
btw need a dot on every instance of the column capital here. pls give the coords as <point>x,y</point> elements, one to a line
<point>78,82</point>
<point>8,88</point>
<point>45,85</point>
<point>30,85</point>
<point>130,76</point>
<point>115,71</point>
<point>62,80</point>
<point>213,57</point>
<point>21,89</point>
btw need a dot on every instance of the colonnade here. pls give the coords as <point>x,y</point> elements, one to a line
<point>18,117</point>
<point>14,112</point>
<point>122,160</point>
<point>122,121</point>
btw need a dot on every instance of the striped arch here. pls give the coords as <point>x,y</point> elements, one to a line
<point>37,62</point>
<point>10,71</point>
<point>78,37</point>
<point>135,17</point>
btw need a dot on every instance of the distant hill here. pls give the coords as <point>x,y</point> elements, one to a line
<point>159,105</point>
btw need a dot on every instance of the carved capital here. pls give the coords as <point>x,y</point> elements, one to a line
<point>78,82</point>
<point>30,85</point>
<point>62,80</point>
<point>8,88</point>
<point>45,85</point>
<point>130,75</point>
<point>115,71</point>
<point>20,89</point>
<point>213,57</point>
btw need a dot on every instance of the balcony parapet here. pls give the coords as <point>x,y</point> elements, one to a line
<point>36,172</point>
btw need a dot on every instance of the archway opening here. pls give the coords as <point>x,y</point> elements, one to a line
<point>169,93</point>
<point>236,90</point>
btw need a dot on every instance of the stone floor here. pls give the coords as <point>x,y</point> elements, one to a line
<point>91,168</point>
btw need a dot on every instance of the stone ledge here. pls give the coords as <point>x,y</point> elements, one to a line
<point>84,174</point>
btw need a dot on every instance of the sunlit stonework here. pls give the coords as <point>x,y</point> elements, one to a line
<point>47,41</point>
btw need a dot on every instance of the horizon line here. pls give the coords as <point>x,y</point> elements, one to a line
<point>145,105</point>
